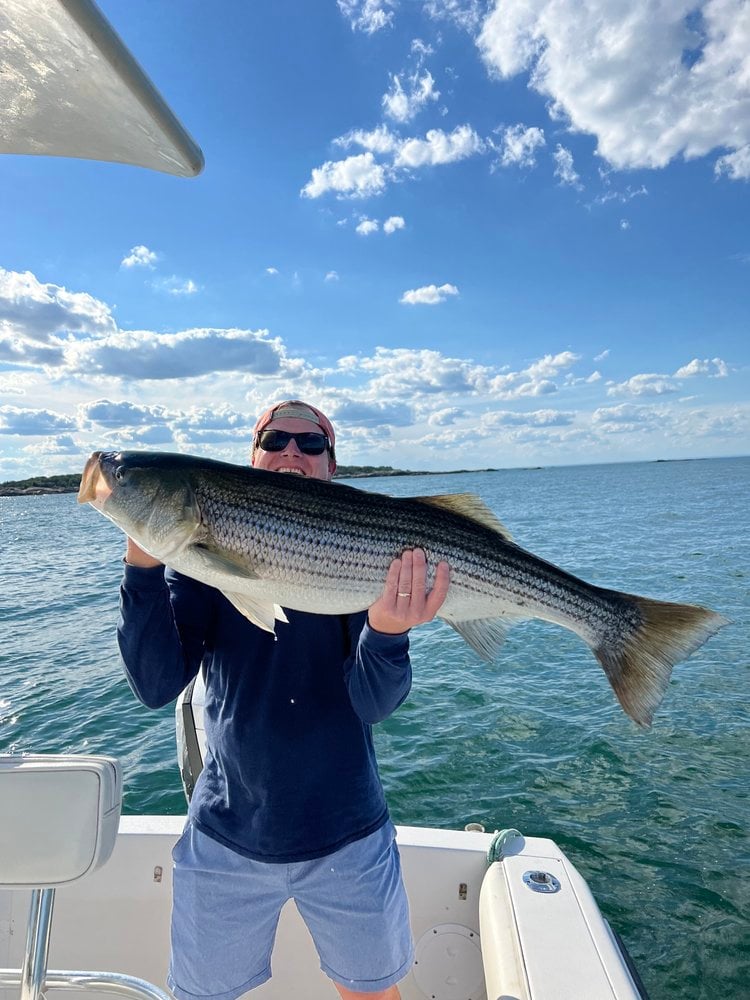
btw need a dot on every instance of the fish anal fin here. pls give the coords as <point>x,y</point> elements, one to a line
<point>260,613</point>
<point>484,635</point>
<point>470,506</point>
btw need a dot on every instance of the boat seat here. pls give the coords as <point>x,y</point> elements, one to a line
<point>59,816</point>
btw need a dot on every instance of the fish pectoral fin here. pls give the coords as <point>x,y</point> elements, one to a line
<point>484,635</point>
<point>470,506</point>
<point>219,560</point>
<point>260,613</point>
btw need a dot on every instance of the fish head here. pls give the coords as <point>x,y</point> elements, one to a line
<point>147,494</point>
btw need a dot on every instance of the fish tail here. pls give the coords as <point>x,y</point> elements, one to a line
<point>639,661</point>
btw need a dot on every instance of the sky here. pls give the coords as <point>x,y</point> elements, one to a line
<point>477,234</point>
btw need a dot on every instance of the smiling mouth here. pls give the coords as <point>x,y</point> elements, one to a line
<point>291,471</point>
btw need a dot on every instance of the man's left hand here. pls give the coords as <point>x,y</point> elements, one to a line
<point>405,601</point>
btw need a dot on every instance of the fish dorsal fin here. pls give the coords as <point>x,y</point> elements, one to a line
<point>470,506</point>
<point>260,613</point>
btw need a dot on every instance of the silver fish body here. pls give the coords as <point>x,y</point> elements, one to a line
<point>270,541</point>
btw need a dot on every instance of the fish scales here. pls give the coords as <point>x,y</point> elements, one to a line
<point>270,541</point>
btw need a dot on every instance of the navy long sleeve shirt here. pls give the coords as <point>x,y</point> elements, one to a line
<point>290,771</point>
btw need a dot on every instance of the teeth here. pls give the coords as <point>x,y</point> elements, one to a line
<point>294,472</point>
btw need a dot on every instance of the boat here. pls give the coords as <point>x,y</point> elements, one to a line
<point>495,915</point>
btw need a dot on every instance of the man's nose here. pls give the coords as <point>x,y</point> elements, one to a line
<point>291,448</point>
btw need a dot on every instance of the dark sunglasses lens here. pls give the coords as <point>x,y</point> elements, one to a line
<point>308,443</point>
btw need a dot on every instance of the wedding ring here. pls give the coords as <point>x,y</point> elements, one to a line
<point>399,594</point>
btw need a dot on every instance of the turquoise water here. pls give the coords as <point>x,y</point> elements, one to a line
<point>656,821</point>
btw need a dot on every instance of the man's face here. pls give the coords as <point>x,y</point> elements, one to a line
<point>290,459</point>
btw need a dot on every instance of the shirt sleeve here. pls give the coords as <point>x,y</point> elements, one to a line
<point>378,673</point>
<point>159,655</point>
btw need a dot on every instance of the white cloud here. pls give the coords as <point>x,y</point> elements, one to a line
<point>355,177</point>
<point>564,169</point>
<point>392,223</point>
<point>735,165</point>
<point>362,175</point>
<point>272,271</point>
<point>378,140</point>
<point>518,145</point>
<point>189,354</point>
<point>467,14</point>
<point>368,16</point>
<point>404,104</point>
<point>624,224</point>
<point>367,226</point>
<point>428,295</point>
<point>714,367</point>
<point>140,256</point>
<point>644,385</point>
<point>24,421</point>
<point>650,81</point>
<point>439,147</point>
<point>331,276</point>
<point>175,286</point>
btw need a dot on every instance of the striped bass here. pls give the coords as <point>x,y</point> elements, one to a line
<point>269,541</point>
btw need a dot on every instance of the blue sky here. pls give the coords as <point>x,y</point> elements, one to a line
<point>476,234</point>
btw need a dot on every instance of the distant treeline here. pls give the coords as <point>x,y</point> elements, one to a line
<point>70,483</point>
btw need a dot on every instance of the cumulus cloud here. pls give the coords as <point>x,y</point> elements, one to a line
<point>534,418</point>
<point>272,271</point>
<point>331,276</point>
<point>355,177</point>
<point>401,104</point>
<point>31,310</point>
<point>519,144</point>
<point>736,166</point>
<point>17,420</point>
<point>369,414</point>
<point>392,223</point>
<point>439,147</point>
<point>140,256</point>
<point>644,385</point>
<point>368,16</point>
<point>189,354</point>
<point>564,169</point>
<point>651,82</point>
<point>363,175</point>
<point>714,367</point>
<point>428,295</point>
<point>367,226</point>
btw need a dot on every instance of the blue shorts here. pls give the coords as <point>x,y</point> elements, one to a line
<point>226,908</point>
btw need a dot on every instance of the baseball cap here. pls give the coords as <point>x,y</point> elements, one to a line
<point>300,411</point>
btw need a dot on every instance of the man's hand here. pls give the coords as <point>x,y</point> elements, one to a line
<point>135,556</point>
<point>405,601</point>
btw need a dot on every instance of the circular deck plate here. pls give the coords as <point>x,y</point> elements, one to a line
<point>448,963</point>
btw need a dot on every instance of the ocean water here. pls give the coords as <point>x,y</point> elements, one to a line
<point>656,821</point>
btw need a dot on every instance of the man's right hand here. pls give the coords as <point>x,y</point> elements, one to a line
<point>135,556</point>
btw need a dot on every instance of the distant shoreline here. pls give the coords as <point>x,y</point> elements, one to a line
<point>48,485</point>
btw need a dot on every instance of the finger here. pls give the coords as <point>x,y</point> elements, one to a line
<point>439,589</point>
<point>419,576</point>
<point>391,581</point>
<point>405,576</point>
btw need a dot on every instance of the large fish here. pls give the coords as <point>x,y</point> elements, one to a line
<point>270,541</point>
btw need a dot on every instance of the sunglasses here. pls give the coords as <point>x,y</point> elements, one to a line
<point>308,442</point>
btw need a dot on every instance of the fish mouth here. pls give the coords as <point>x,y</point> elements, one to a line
<point>94,488</point>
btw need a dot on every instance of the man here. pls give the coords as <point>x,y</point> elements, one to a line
<point>289,803</point>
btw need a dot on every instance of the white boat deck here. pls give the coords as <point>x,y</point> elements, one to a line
<point>541,946</point>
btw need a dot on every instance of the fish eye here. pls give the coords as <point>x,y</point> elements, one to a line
<point>120,473</point>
